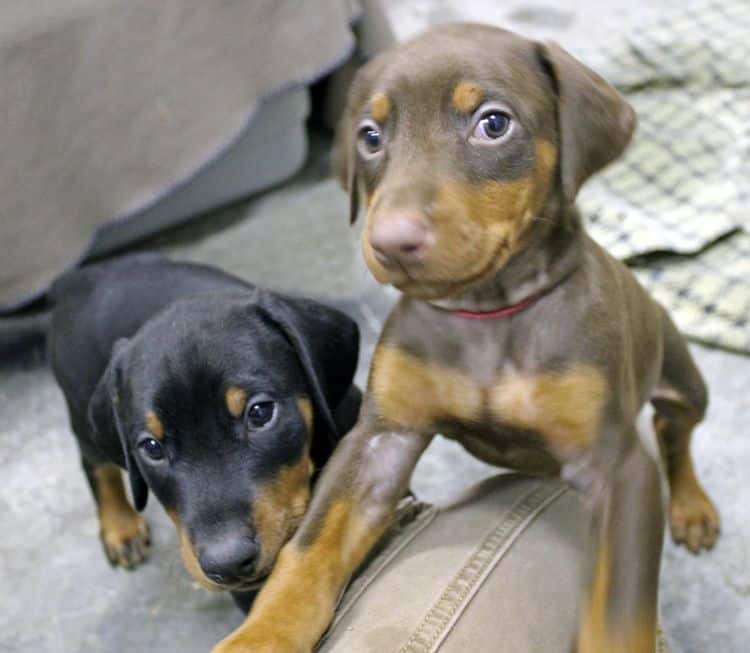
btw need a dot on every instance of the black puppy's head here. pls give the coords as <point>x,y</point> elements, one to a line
<point>223,406</point>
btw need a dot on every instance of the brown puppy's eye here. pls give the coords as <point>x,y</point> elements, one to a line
<point>260,413</point>
<point>370,139</point>
<point>492,125</point>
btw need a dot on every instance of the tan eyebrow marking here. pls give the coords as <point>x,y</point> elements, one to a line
<point>154,425</point>
<point>235,398</point>
<point>467,96</point>
<point>380,107</point>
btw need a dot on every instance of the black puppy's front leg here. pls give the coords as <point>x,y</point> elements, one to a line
<point>123,532</point>
<point>619,612</point>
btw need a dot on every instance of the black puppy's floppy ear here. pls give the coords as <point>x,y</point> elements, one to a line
<point>327,345</point>
<point>595,122</point>
<point>107,428</point>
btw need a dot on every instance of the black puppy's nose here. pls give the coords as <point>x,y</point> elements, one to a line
<point>229,559</point>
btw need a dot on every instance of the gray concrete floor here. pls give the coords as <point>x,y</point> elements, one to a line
<point>59,594</point>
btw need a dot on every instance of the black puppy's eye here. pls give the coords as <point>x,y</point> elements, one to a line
<point>260,413</point>
<point>370,139</point>
<point>492,125</point>
<point>152,448</point>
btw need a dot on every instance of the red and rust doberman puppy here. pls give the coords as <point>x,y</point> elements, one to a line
<point>517,334</point>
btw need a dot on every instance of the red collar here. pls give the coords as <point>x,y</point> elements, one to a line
<point>500,312</point>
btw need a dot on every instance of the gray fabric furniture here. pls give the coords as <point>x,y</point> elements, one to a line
<point>123,117</point>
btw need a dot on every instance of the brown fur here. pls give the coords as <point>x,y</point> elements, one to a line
<point>416,393</point>
<point>467,96</point>
<point>279,507</point>
<point>380,107</point>
<point>475,228</point>
<point>290,619</point>
<point>599,630</point>
<point>693,519</point>
<point>565,408</point>
<point>561,381</point>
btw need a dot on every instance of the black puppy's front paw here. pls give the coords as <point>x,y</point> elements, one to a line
<point>126,539</point>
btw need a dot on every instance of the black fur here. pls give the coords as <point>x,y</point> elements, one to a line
<point>141,334</point>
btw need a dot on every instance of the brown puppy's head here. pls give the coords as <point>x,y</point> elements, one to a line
<point>464,141</point>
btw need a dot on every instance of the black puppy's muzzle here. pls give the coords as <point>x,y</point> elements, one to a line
<point>229,560</point>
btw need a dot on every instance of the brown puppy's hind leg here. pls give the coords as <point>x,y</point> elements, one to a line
<point>123,532</point>
<point>680,401</point>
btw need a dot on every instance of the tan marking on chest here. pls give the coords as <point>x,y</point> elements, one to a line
<point>380,107</point>
<point>564,408</point>
<point>410,391</point>
<point>467,96</point>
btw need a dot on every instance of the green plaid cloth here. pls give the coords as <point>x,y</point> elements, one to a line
<point>677,206</point>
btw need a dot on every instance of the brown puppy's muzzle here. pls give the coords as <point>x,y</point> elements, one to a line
<point>401,239</point>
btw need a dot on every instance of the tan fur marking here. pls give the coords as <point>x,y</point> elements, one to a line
<point>593,632</point>
<point>693,519</point>
<point>154,425</point>
<point>296,603</point>
<point>476,229</point>
<point>380,107</point>
<point>598,630</point>
<point>564,408</point>
<point>305,407</point>
<point>413,392</point>
<point>124,533</point>
<point>236,400</point>
<point>546,160</point>
<point>189,559</point>
<point>279,507</point>
<point>467,96</point>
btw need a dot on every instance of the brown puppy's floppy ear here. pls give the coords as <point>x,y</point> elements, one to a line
<point>107,428</point>
<point>595,122</point>
<point>344,162</point>
<point>344,154</point>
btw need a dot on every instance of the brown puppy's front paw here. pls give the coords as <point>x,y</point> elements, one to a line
<point>693,519</point>
<point>126,539</point>
<point>246,640</point>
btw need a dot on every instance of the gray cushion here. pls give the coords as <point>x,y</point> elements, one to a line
<point>499,570</point>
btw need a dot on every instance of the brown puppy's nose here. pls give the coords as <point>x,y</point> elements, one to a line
<point>399,238</point>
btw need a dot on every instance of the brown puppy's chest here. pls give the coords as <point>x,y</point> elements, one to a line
<point>557,411</point>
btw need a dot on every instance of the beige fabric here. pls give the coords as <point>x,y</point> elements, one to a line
<point>108,104</point>
<point>498,571</point>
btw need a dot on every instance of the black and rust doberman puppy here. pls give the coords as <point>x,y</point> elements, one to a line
<point>517,335</point>
<point>219,397</point>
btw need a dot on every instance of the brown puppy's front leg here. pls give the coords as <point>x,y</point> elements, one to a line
<point>619,612</point>
<point>353,502</point>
